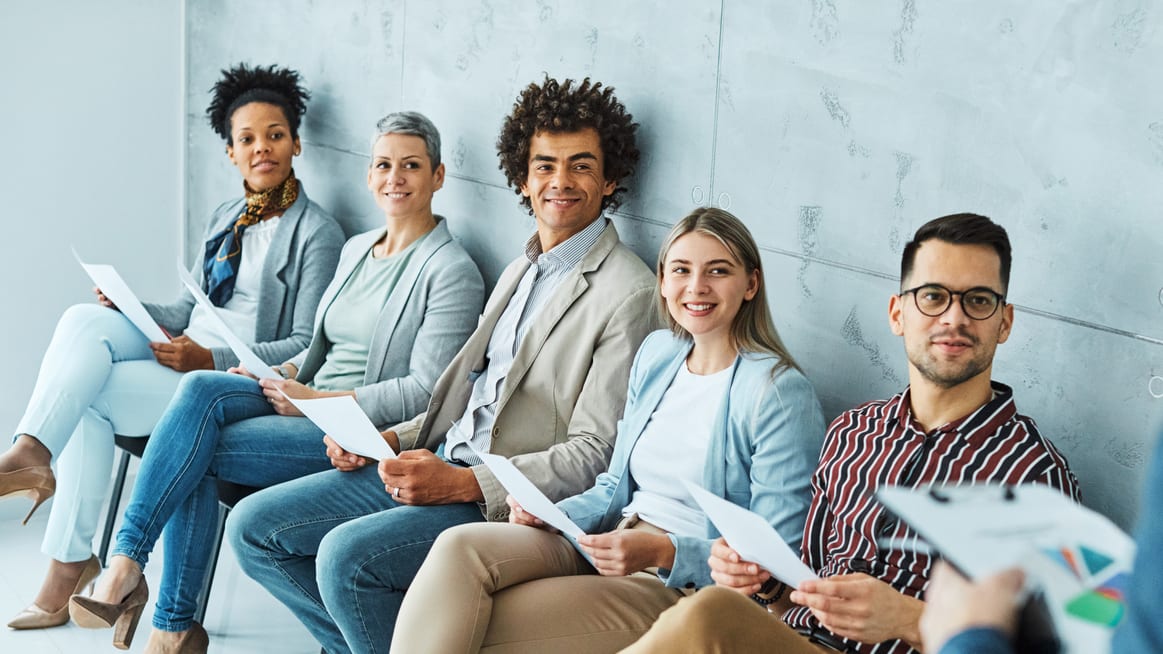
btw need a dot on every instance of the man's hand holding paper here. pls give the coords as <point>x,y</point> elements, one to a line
<point>531,499</point>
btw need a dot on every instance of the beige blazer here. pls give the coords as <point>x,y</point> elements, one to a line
<point>559,406</point>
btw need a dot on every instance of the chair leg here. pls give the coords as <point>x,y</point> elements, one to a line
<point>114,507</point>
<point>204,596</point>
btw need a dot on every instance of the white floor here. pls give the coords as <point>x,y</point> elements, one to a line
<point>242,617</point>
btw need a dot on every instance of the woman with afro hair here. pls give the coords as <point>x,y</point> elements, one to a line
<point>268,257</point>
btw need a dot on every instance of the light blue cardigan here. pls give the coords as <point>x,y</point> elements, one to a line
<point>423,324</point>
<point>764,448</point>
<point>301,260</point>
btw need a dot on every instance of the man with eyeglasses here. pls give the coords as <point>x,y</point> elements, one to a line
<point>953,424</point>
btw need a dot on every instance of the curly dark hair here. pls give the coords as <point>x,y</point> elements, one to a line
<point>244,84</point>
<point>567,106</point>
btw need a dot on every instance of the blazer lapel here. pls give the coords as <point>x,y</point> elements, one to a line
<point>398,299</point>
<point>571,288</point>
<point>651,396</point>
<point>277,260</point>
<point>715,466</point>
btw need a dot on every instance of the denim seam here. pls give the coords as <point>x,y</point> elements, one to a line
<point>135,551</point>
<point>269,552</point>
<point>359,609</point>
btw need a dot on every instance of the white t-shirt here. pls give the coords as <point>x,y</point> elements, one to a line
<point>673,448</point>
<point>241,311</point>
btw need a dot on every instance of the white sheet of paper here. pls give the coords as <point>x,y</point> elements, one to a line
<point>752,537</point>
<point>527,495</point>
<point>115,288</point>
<point>246,356</point>
<point>342,419</point>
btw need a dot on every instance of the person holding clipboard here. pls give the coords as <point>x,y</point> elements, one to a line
<point>267,258</point>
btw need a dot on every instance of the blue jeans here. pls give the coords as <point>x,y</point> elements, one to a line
<point>218,426</point>
<point>339,552</point>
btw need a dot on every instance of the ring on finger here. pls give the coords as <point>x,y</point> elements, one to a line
<point>396,492</point>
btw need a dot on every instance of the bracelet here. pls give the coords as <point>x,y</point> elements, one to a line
<point>770,592</point>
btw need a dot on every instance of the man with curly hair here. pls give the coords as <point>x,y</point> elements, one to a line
<point>542,380</point>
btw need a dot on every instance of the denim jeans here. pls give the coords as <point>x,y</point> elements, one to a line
<point>339,552</point>
<point>218,426</point>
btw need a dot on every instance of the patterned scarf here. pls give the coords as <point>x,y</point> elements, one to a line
<point>224,249</point>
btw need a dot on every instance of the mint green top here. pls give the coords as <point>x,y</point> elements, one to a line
<point>351,318</point>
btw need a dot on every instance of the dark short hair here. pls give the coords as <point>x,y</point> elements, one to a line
<point>961,229</point>
<point>563,107</point>
<point>243,84</point>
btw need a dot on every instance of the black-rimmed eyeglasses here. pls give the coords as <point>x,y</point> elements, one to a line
<point>979,302</point>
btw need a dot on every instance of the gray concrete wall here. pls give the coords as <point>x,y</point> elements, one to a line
<point>90,155</point>
<point>832,127</point>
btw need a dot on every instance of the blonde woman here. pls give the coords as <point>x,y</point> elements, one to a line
<point>716,401</point>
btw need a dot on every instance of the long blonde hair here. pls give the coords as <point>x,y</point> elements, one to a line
<point>752,329</point>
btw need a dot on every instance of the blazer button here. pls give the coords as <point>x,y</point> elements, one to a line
<point>496,431</point>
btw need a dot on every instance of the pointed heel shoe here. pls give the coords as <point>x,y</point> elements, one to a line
<point>123,617</point>
<point>35,617</point>
<point>36,482</point>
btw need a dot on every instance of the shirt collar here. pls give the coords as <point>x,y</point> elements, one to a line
<point>1001,407</point>
<point>570,251</point>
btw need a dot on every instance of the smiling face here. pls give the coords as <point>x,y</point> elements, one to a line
<point>952,348</point>
<point>704,286</point>
<point>566,183</point>
<point>401,177</point>
<point>262,146</point>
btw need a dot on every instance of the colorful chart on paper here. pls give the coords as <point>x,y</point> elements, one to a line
<point>1103,599</point>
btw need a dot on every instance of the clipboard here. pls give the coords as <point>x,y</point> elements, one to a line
<point>1077,562</point>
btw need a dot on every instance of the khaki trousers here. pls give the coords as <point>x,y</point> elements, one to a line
<point>716,621</point>
<point>504,589</point>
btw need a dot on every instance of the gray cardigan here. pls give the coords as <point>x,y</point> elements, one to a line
<point>301,259</point>
<point>426,319</point>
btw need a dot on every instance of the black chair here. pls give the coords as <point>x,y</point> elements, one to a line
<point>229,494</point>
<point>130,446</point>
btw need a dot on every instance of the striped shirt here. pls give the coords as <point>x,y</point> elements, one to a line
<point>879,444</point>
<point>545,273</point>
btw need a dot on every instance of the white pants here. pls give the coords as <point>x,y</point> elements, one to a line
<point>98,377</point>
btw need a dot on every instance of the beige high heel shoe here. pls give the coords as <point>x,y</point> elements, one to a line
<point>123,616</point>
<point>35,617</point>
<point>36,482</point>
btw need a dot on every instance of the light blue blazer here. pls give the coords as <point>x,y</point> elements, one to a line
<point>765,445</point>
